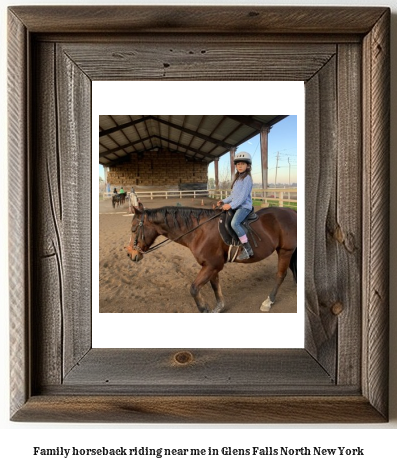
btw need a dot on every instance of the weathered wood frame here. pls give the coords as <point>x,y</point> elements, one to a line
<point>343,56</point>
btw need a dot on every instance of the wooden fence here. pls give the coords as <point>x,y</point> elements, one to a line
<point>271,196</point>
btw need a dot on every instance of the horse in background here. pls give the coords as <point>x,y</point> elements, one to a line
<point>118,199</point>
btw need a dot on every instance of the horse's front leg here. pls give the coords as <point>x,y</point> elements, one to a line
<point>205,275</point>
<point>218,293</point>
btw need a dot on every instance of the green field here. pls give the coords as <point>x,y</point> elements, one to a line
<point>275,203</point>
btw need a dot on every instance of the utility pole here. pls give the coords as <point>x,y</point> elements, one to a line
<point>289,173</point>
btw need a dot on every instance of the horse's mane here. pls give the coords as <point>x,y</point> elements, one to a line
<point>178,215</point>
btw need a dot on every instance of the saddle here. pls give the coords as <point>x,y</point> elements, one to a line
<point>228,235</point>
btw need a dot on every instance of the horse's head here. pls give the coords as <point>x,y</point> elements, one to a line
<point>143,234</point>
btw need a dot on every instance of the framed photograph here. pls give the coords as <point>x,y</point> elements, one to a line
<point>138,300</point>
<point>341,373</point>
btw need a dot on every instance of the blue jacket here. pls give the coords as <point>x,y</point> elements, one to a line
<point>240,196</point>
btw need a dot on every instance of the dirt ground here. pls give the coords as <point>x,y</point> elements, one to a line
<point>161,281</point>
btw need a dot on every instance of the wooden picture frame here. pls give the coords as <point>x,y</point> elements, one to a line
<point>342,54</point>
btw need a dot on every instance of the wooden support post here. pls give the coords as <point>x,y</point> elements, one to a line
<point>216,164</point>
<point>105,174</point>
<point>232,166</point>
<point>264,157</point>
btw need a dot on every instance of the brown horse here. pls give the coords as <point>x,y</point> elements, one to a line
<point>197,229</point>
<point>118,199</point>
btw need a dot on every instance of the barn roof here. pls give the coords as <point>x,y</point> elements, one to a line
<point>200,138</point>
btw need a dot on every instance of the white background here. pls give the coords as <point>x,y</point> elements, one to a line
<point>379,441</point>
<point>228,330</point>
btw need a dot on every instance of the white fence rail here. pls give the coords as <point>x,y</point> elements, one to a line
<point>166,194</point>
<point>271,196</point>
<point>268,197</point>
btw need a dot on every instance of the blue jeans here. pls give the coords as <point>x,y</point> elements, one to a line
<point>238,218</point>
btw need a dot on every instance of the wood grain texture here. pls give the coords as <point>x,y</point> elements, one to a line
<point>202,59</point>
<point>18,143</point>
<point>333,215</point>
<point>376,91</point>
<point>207,369</point>
<point>197,20</point>
<point>320,174</point>
<point>346,227</point>
<point>198,409</point>
<point>47,254</point>
<point>62,261</point>
<point>74,181</point>
<point>341,376</point>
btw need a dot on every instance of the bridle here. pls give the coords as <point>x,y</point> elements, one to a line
<point>141,234</point>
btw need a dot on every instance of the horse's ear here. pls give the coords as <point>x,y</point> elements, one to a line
<point>138,209</point>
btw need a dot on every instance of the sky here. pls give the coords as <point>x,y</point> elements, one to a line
<point>282,142</point>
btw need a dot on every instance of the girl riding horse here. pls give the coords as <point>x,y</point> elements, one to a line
<point>240,200</point>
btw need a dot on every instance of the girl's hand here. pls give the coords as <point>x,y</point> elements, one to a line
<point>219,203</point>
<point>226,207</point>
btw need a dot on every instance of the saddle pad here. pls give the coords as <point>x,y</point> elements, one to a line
<point>228,235</point>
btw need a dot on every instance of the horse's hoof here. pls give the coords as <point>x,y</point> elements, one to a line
<point>218,309</point>
<point>266,305</point>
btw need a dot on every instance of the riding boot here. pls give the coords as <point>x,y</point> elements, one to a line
<point>246,253</point>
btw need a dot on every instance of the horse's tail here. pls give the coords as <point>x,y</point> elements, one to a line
<point>293,265</point>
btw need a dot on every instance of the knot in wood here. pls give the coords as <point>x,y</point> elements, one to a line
<point>337,308</point>
<point>338,235</point>
<point>183,358</point>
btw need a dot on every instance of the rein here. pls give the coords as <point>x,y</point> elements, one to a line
<point>151,249</point>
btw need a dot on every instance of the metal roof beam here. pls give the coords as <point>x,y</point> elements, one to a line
<point>123,126</point>
<point>248,121</point>
<point>254,123</point>
<point>205,154</point>
<point>276,120</point>
<point>104,154</point>
<point>125,146</point>
<point>219,143</point>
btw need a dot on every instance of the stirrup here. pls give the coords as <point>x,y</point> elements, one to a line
<point>249,250</point>
<point>244,255</point>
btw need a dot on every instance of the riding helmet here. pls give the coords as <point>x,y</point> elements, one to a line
<point>243,157</point>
